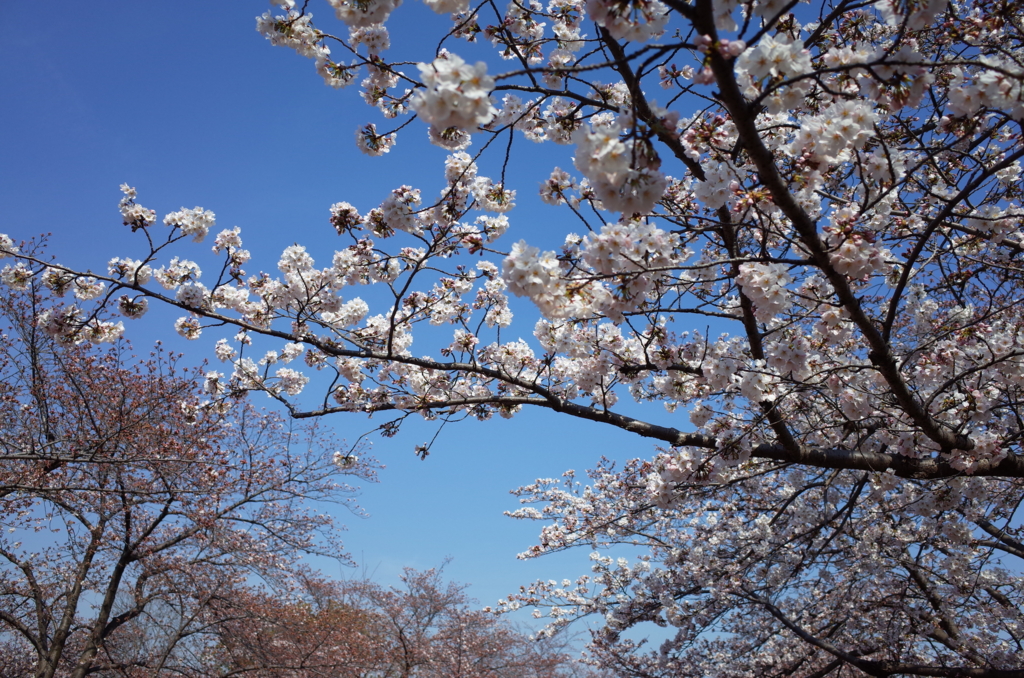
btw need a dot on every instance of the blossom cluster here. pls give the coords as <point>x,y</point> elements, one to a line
<point>456,94</point>
<point>624,175</point>
<point>765,286</point>
<point>363,13</point>
<point>195,222</point>
<point>638,20</point>
<point>295,30</point>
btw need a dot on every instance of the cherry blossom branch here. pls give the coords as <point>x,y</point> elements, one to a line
<point>880,354</point>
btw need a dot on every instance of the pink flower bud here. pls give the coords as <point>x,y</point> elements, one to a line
<point>705,77</point>
<point>733,48</point>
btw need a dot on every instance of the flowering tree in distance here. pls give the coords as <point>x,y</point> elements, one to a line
<point>425,628</point>
<point>133,520</point>
<point>834,188</point>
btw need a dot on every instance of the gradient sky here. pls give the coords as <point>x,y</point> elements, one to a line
<point>189,104</point>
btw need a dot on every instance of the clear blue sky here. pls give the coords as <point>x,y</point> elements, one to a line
<point>189,104</point>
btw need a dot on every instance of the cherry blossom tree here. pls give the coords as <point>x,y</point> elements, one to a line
<point>808,253</point>
<point>428,627</point>
<point>306,630</point>
<point>131,511</point>
<point>424,627</point>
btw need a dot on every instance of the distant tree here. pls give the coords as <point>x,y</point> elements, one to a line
<point>307,630</point>
<point>131,511</point>
<point>430,628</point>
<point>425,628</point>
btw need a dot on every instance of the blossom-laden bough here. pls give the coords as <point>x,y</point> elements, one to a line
<point>832,191</point>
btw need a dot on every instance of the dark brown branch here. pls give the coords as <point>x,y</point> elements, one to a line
<point>835,457</point>
<point>1009,544</point>
<point>883,669</point>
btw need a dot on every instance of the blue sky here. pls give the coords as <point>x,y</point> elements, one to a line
<point>189,104</point>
